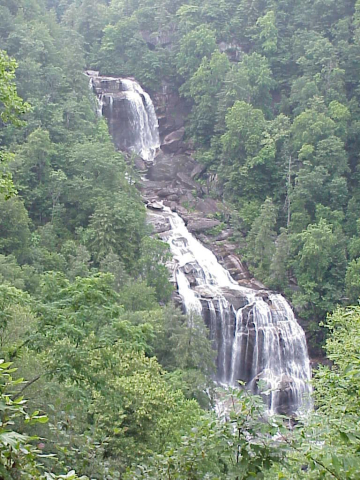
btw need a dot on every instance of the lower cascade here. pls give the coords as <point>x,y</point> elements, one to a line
<point>254,332</point>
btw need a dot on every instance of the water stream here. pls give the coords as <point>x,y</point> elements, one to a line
<point>131,116</point>
<point>255,333</point>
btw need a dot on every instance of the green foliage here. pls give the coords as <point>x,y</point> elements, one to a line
<point>11,108</point>
<point>138,296</point>
<point>190,346</point>
<point>10,272</point>
<point>14,230</point>
<point>278,270</point>
<point>352,281</point>
<point>193,47</point>
<point>19,456</point>
<point>268,32</point>
<point>261,238</point>
<point>203,87</point>
<point>250,81</point>
<point>117,226</point>
<point>152,268</point>
<point>121,49</point>
<point>85,320</point>
<point>33,170</point>
<point>319,264</point>
<point>248,153</point>
<point>220,449</point>
<point>111,263</point>
<point>12,105</point>
<point>329,440</point>
<point>276,116</point>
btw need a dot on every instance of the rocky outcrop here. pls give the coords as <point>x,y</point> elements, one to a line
<point>139,163</point>
<point>233,50</point>
<point>166,167</point>
<point>173,142</point>
<point>155,206</point>
<point>160,223</point>
<point>171,110</point>
<point>234,298</point>
<point>196,225</point>
<point>162,37</point>
<point>197,171</point>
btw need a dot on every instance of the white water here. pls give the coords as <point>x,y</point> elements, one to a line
<point>260,341</point>
<point>143,120</point>
<point>139,129</point>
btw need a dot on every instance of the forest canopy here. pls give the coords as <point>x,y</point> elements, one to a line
<point>100,374</point>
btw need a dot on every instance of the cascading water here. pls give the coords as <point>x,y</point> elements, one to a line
<point>255,333</point>
<point>130,112</point>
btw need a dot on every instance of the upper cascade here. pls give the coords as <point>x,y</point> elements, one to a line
<point>130,113</point>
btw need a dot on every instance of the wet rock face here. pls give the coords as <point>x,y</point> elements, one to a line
<point>287,399</point>
<point>171,110</point>
<point>160,223</point>
<point>166,167</point>
<point>234,298</point>
<point>202,224</point>
<point>119,116</point>
<point>139,164</point>
<point>173,142</point>
<point>130,114</point>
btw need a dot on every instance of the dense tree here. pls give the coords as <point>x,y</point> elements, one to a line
<point>19,456</point>
<point>85,319</point>
<point>193,47</point>
<point>246,156</point>
<point>14,230</point>
<point>121,48</point>
<point>11,107</point>
<point>202,88</point>
<point>272,88</point>
<point>154,255</point>
<point>278,270</point>
<point>33,173</point>
<point>250,81</point>
<point>352,281</point>
<point>319,264</point>
<point>117,226</point>
<point>261,238</point>
<point>337,400</point>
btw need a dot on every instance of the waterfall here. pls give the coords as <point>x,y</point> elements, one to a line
<point>142,119</point>
<point>255,332</point>
<point>130,113</point>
